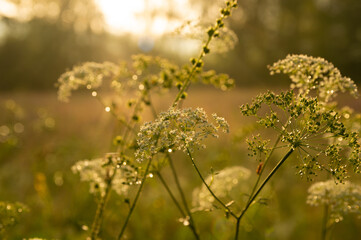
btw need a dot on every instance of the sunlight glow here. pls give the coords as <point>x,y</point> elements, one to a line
<point>144,17</point>
<point>7,9</point>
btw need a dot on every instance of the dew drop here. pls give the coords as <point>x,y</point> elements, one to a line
<point>186,223</point>
<point>94,93</point>
<point>107,109</point>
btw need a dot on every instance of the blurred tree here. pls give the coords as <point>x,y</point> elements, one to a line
<point>51,35</point>
<point>270,29</point>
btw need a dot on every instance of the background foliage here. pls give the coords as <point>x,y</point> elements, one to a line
<point>47,137</point>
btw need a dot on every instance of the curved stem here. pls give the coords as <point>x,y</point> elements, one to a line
<point>209,189</point>
<point>135,199</point>
<point>252,198</point>
<point>182,197</point>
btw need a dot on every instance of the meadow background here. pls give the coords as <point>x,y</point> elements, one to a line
<point>40,39</point>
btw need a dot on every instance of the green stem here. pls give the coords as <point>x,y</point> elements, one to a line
<point>99,213</point>
<point>182,196</point>
<point>135,199</point>
<point>208,188</point>
<point>191,223</point>
<point>324,223</point>
<point>263,167</point>
<point>170,193</point>
<point>274,170</point>
<point>187,82</point>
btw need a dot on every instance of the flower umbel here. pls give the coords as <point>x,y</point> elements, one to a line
<point>341,199</point>
<point>308,73</point>
<point>222,183</point>
<point>89,75</point>
<point>99,172</point>
<point>306,125</point>
<point>177,129</point>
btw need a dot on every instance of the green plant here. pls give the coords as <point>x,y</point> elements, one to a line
<point>305,120</point>
<point>337,200</point>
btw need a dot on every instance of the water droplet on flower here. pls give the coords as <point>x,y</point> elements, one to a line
<point>150,175</point>
<point>107,109</point>
<point>88,86</point>
<point>170,150</point>
<point>94,93</point>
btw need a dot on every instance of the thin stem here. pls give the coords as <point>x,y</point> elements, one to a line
<point>170,193</point>
<point>252,198</point>
<point>135,199</point>
<point>184,200</point>
<point>324,223</point>
<point>99,213</point>
<point>187,82</point>
<point>237,228</point>
<point>191,222</point>
<point>207,186</point>
<point>264,166</point>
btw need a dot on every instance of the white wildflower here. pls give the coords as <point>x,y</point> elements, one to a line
<point>340,198</point>
<point>89,75</point>
<point>176,129</point>
<point>222,185</point>
<point>308,73</point>
<point>98,171</point>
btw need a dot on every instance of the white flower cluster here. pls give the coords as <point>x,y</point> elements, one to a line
<point>177,129</point>
<point>309,73</point>
<point>222,185</point>
<point>10,213</point>
<point>89,75</point>
<point>340,198</point>
<point>98,172</point>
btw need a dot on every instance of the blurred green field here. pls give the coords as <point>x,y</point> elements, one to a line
<point>35,170</point>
